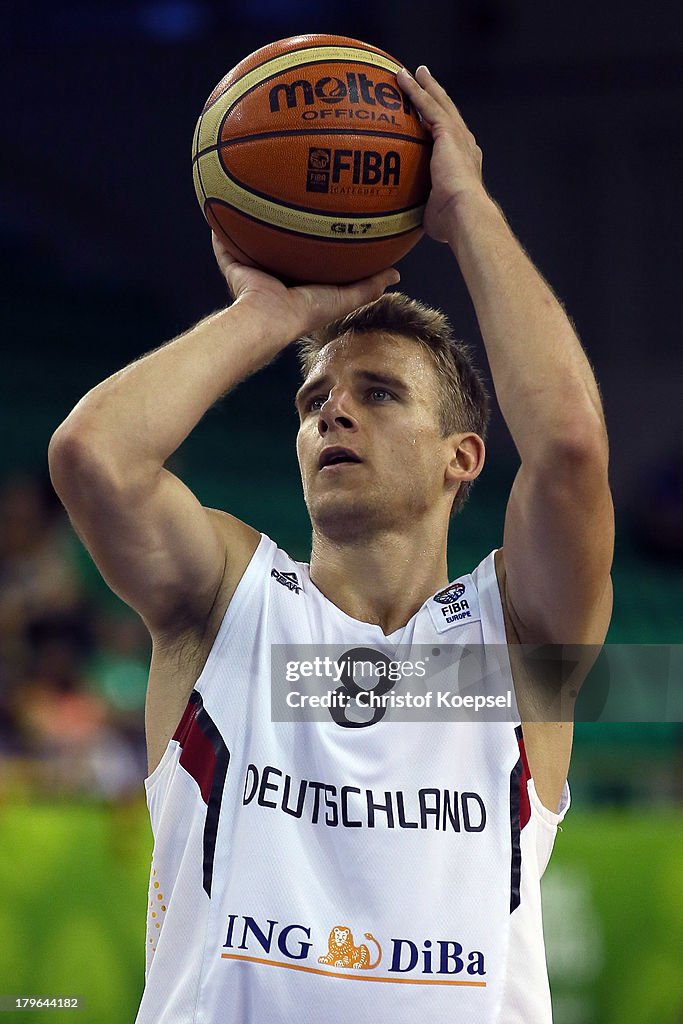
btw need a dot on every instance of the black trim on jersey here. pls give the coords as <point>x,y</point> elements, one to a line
<point>213,810</point>
<point>207,727</point>
<point>515,832</point>
<point>515,835</point>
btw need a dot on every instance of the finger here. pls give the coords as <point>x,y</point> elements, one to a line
<point>367,290</point>
<point>432,86</point>
<point>429,83</point>
<point>222,254</point>
<point>227,264</point>
<point>371,287</point>
<point>430,98</point>
<point>338,300</point>
<point>428,107</point>
<point>385,279</point>
<point>362,292</point>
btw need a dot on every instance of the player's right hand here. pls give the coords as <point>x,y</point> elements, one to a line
<point>299,309</point>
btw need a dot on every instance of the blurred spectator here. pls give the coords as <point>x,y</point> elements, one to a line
<point>65,726</point>
<point>120,664</point>
<point>37,579</point>
<point>71,720</point>
<point>118,671</point>
<point>37,573</point>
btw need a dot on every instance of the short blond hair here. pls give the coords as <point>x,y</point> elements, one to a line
<point>463,403</point>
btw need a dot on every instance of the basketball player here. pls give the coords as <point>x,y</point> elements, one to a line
<point>297,864</point>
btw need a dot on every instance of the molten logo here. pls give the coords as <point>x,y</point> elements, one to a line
<point>355,88</point>
<point>330,90</point>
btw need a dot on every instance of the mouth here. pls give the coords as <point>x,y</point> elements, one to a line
<point>336,456</point>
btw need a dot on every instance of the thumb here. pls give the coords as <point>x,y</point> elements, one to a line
<point>359,293</point>
<point>328,302</point>
<point>223,257</point>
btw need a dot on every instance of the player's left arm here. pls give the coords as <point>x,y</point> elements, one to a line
<point>559,528</point>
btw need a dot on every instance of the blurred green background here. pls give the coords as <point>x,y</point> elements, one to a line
<point>71,921</point>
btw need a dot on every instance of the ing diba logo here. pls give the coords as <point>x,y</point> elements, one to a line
<point>341,951</point>
<point>291,945</point>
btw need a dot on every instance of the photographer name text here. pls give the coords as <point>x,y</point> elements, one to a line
<point>369,699</point>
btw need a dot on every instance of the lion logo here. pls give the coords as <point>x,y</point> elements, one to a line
<point>341,951</point>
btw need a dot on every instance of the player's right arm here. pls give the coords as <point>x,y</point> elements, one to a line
<point>156,546</point>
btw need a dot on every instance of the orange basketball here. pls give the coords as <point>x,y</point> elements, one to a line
<point>310,162</point>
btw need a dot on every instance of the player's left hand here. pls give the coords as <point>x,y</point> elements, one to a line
<point>456,158</point>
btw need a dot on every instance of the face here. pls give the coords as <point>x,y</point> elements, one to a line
<point>369,444</point>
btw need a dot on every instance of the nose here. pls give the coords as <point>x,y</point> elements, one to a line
<point>336,412</point>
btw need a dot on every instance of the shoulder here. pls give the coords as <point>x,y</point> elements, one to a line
<point>240,542</point>
<point>180,650</point>
<point>237,545</point>
<point>239,539</point>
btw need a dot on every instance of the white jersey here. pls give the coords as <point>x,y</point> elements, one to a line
<point>304,872</point>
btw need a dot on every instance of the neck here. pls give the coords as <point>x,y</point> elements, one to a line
<point>383,579</point>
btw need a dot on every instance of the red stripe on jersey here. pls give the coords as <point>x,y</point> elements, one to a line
<point>189,715</point>
<point>198,756</point>
<point>525,775</point>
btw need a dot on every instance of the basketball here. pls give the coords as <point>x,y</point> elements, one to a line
<point>311,163</point>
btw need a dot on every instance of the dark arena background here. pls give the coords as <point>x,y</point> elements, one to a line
<point>104,255</point>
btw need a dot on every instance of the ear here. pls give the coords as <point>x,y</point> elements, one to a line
<point>467,458</point>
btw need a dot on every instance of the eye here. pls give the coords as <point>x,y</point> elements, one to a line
<point>316,403</point>
<point>380,394</point>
